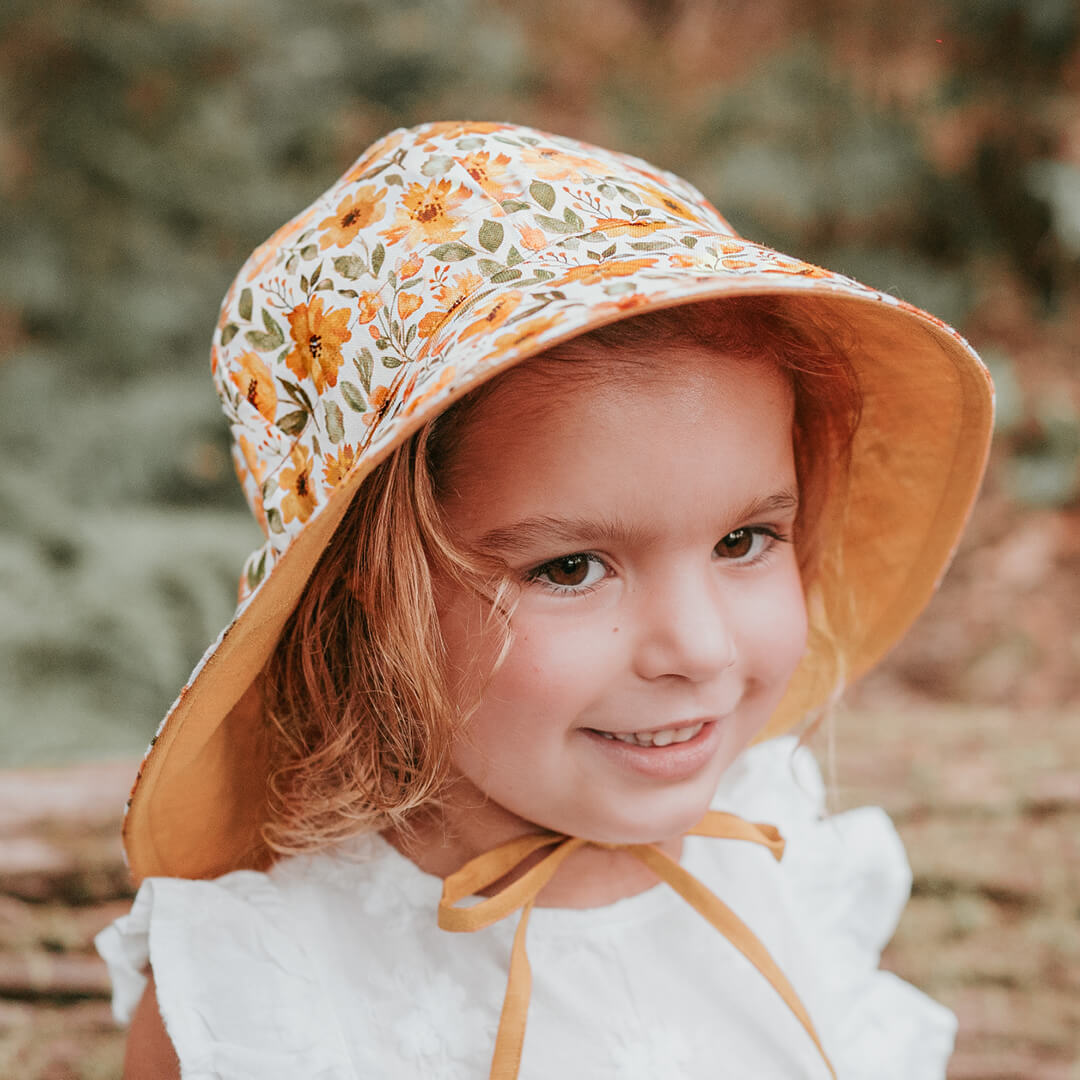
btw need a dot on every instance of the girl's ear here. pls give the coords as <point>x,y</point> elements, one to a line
<point>150,1053</point>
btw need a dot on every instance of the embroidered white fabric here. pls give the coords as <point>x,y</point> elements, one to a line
<point>332,967</point>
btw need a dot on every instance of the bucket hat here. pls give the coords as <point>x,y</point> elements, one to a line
<point>446,254</point>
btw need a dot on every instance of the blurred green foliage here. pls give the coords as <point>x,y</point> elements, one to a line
<point>146,146</point>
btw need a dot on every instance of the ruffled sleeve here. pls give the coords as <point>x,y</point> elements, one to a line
<point>234,985</point>
<point>849,880</point>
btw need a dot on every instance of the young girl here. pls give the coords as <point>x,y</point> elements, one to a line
<point>575,503</point>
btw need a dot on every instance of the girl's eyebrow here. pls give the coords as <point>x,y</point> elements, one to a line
<point>531,532</point>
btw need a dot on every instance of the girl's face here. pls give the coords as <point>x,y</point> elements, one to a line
<point>646,515</point>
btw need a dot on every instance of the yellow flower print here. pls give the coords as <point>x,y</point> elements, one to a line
<point>664,200</point>
<point>255,383</point>
<point>295,480</point>
<point>492,314</point>
<point>410,267</point>
<point>450,296</point>
<point>376,402</point>
<point>367,306</point>
<point>380,149</point>
<point>596,272</point>
<point>453,129</point>
<point>355,212</point>
<point>336,466</point>
<point>524,333</point>
<point>407,303</point>
<point>267,253</point>
<point>317,340</point>
<point>424,215</point>
<point>254,459</point>
<point>622,227</point>
<point>487,173</point>
<point>550,164</point>
<point>445,377</point>
<point>794,268</point>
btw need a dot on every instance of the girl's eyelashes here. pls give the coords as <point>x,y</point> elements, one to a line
<point>578,573</point>
<point>582,571</point>
<point>750,544</point>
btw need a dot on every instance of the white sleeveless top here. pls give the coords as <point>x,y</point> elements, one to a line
<point>332,967</point>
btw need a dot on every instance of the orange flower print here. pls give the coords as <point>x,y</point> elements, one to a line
<point>453,129</point>
<point>492,314</point>
<point>622,227</point>
<point>663,200</point>
<point>601,271</point>
<point>625,303</point>
<point>254,381</point>
<point>684,261</point>
<point>254,460</point>
<point>407,303</point>
<point>380,149</point>
<point>355,212</point>
<point>525,333</point>
<point>266,254</point>
<point>295,480</point>
<point>450,296</point>
<point>550,164</point>
<point>410,267</point>
<point>317,340</point>
<point>532,238</point>
<point>367,306</point>
<point>793,267</point>
<point>376,402</point>
<point>425,215</point>
<point>445,377</point>
<point>487,173</point>
<point>336,466</point>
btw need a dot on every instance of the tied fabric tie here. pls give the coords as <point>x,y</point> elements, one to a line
<point>483,871</point>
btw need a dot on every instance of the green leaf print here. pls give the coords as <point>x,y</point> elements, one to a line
<point>335,426</point>
<point>228,332</point>
<point>294,422</point>
<point>272,328</point>
<point>543,193</point>
<point>353,397</point>
<point>572,219</point>
<point>491,235</point>
<point>453,252</point>
<point>550,224</point>
<point>364,365</point>
<point>377,257</point>
<point>244,306</point>
<point>349,266</point>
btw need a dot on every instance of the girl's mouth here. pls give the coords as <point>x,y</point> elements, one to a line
<point>664,737</point>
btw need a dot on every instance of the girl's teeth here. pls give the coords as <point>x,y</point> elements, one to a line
<point>655,738</point>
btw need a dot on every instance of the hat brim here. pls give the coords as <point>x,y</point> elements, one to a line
<point>917,460</point>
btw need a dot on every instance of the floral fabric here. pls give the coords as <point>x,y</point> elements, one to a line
<point>443,251</point>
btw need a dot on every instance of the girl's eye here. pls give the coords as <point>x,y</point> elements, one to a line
<point>571,573</point>
<point>745,545</point>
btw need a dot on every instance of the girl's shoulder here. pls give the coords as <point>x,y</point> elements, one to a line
<point>238,964</point>
<point>846,880</point>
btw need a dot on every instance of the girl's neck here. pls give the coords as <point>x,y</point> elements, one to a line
<point>442,841</point>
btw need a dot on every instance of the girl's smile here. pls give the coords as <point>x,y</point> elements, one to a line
<point>643,509</point>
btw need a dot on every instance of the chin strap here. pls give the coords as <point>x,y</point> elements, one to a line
<point>483,871</point>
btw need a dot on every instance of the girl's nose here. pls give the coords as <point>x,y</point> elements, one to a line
<point>685,630</point>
